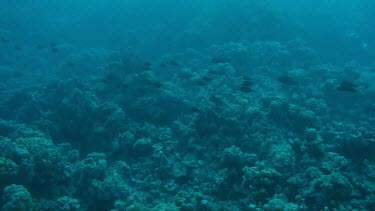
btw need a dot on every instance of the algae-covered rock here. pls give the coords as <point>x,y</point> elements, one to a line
<point>8,169</point>
<point>16,198</point>
<point>66,203</point>
<point>279,202</point>
<point>143,147</point>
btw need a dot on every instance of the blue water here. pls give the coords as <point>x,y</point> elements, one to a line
<point>187,105</point>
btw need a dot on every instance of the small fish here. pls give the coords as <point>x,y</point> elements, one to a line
<point>17,74</point>
<point>201,83</point>
<point>157,84</point>
<point>173,62</point>
<point>4,39</point>
<point>124,85</point>
<point>347,86</point>
<point>216,60</point>
<point>55,50</point>
<point>246,89</point>
<point>246,85</point>
<point>140,91</point>
<point>17,48</point>
<point>169,63</point>
<point>206,78</point>
<point>213,72</point>
<point>40,47</point>
<point>195,109</point>
<point>147,66</point>
<point>247,82</point>
<point>70,64</point>
<point>9,74</point>
<point>147,81</point>
<point>216,100</point>
<point>162,65</point>
<point>352,35</point>
<point>287,80</point>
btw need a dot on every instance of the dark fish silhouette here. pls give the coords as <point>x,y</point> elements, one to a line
<point>40,47</point>
<point>70,64</point>
<point>55,50</point>
<point>54,47</point>
<point>140,91</point>
<point>169,63</point>
<point>347,86</point>
<point>17,48</point>
<point>206,78</point>
<point>216,100</point>
<point>156,84</point>
<point>247,83</point>
<point>217,60</point>
<point>195,109</point>
<point>4,39</point>
<point>287,80</point>
<point>147,66</point>
<point>8,74</point>
<point>173,62</point>
<point>213,72</point>
<point>201,83</point>
<point>246,86</point>
<point>246,89</point>
<point>162,65</point>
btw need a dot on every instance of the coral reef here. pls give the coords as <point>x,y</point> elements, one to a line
<point>235,126</point>
<point>16,197</point>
